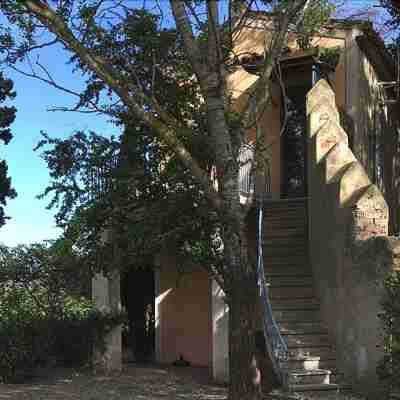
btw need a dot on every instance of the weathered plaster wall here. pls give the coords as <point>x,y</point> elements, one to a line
<point>350,252</point>
<point>364,104</point>
<point>375,124</point>
<point>251,39</point>
<point>239,83</point>
<point>106,296</point>
<point>183,308</point>
<point>220,322</point>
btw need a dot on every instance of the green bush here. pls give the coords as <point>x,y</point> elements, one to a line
<point>29,339</point>
<point>389,367</point>
<point>22,328</point>
<point>43,317</point>
<point>80,328</point>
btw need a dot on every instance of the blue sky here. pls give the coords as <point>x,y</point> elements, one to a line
<point>31,222</point>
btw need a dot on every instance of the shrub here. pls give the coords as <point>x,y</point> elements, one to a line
<point>29,339</point>
<point>21,325</point>
<point>42,315</point>
<point>389,367</point>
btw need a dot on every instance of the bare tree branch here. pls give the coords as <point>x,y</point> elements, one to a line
<point>165,129</point>
<point>50,81</point>
<point>260,93</point>
<point>195,16</point>
<point>214,49</point>
<point>192,49</point>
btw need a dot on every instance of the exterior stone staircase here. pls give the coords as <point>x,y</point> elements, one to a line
<point>311,363</point>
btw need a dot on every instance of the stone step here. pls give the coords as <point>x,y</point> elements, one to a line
<point>285,213</point>
<point>341,393</point>
<point>287,271</point>
<point>284,204</point>
<point>276,223</point>
<point>285,217</point>
<point>291,200</point>
<point>289,220</point>
<point>285,262</point>
<point>299,239</point>
<point>303,377</point>
<point>281,239</point>
<point>294,217</point>
<point>271,209</point>
<point>297,280</point>
<point>300,303</point>
<point>274,267</point>
<point>295,303</point>
<point>298,228</point>
<point>329,363</point>
<point>284,244</point>
<point>287,292</point>
<point>287,259</point>
<point>307,340</point>
<point>302,362</point>
<point>315,388</point>
<point>296,327</point>
<point>274,215</point>
<point>337,377</point>
<point>285,233</point>
<point>284,207</point>
<point>324,352</point>
<point>274,270</point>
<point>282,252</point>
<point>310,315</point>
<point>310,362</point>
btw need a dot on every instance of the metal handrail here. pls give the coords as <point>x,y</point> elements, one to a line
<point>275,343</point>
<point>248,179</point>
<point>246,183</point>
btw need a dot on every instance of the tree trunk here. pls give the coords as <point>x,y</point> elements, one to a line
<point>245,374</point>
<point>244,367</point>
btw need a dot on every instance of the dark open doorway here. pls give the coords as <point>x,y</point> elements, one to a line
<point>294,144</point>
<point>137,296</point>
<point>300,73</point>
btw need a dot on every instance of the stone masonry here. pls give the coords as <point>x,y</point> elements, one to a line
<point>349,248</point>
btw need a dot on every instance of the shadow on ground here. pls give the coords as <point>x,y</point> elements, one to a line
<point>134,383</point>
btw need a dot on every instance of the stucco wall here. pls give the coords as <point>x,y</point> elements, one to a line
<point>183,308</point>
<point>251,39</point>
<point>270,122</point>
<point>106,296</point>
<point>220,321</point>
<point>364,103</point>
<point>350,252</point>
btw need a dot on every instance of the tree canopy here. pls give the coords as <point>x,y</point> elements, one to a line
<point>166,79</point>
<point>7,116</point>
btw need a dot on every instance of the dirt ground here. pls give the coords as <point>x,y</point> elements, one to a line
<point>134,383</point>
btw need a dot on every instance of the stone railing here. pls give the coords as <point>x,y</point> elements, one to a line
<point>349,248</point>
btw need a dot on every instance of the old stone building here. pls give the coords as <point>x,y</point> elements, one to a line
<point>326,218</point>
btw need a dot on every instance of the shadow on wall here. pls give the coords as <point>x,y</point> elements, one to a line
<point>220,313</point>
<point>184,316</point>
